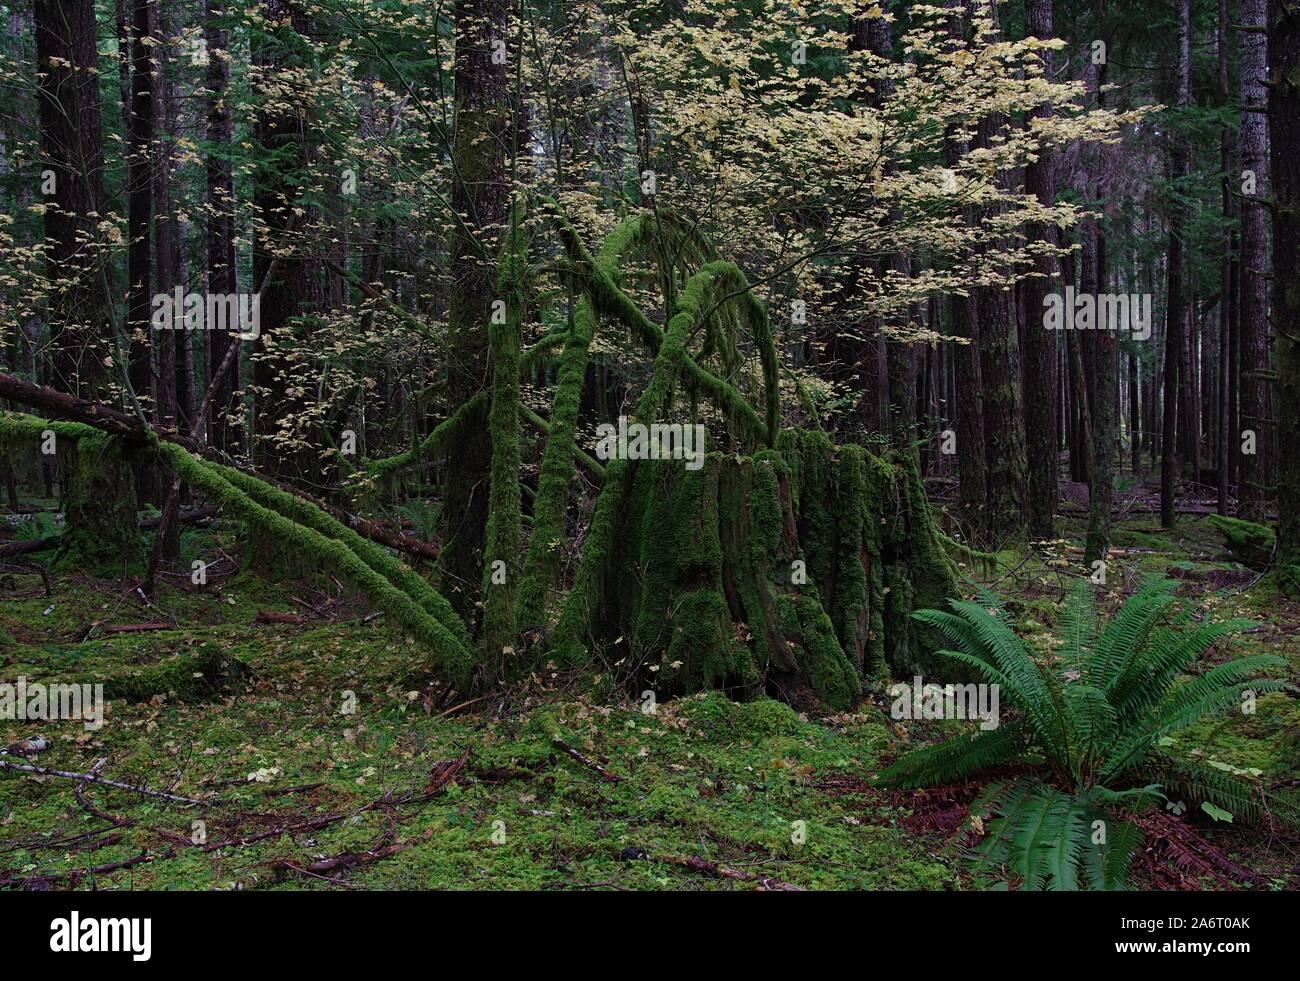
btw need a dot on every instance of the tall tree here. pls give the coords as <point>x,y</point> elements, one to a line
<point>1227,283</point>
<point>1253,325</point>
<point>222,273</point>
<point>1174,309</point>
<point>283,269</point>
<point>1284,148</point>
<point>479,195</point>
<point>1105,366</point>
<point>1039,355</point>
<point>140,180</point>
<point>1004,420</point>
<point>73,151</point>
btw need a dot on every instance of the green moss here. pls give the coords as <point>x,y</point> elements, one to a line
<point>504,535</point>
<point>449,656</point>
<point>1250,543</point>
<point>453,428</point>
<point>311,517</point>
<point>97,490</point>
<point>541,564</point>
<point>189,678</point>
<point>706,286</point>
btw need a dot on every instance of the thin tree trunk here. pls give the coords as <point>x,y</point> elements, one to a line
<point>1253,494</point>
<point>479,193</point>
<point>1039,347</point>
<point>1284,133</point>
<point>221,270</point>
<point>1169,462</point>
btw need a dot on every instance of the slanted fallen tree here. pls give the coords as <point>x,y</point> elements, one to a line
<point>777,562</point>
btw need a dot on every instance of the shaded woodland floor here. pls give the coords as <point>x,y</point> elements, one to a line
<point>565,783</point>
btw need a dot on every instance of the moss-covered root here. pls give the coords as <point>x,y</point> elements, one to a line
<point>919,575</point>
<point>780,575</point>
<point>187,678</point>
<point>676,609</point>
<point>451,660</point>
<point>586,603</point>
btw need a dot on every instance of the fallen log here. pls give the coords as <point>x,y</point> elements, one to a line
<point>117,423</point>
<point>272,616</point>
<point>134,628</point>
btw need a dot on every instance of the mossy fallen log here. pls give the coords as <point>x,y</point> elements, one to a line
<point>450,658</point>
<point>1250,543</point>
<point>277,514</point>
<point>188,678</point>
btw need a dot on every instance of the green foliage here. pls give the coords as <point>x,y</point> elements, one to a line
<point>1094,708</point>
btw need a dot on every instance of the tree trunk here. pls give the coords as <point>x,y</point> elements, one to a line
<point>1284,133</point>
<point>1039,348</point>
<point>282,130</point>
<point>1169,462</point>
<point>222,275</point>
<point>479,194</point>
<point>72,147</point>
<point>1253,495</point>
<point>140,177</point>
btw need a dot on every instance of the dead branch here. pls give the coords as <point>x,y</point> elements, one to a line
<point>92,777</point>
<point>589,763</point>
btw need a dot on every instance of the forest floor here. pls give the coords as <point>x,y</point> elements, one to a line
<point>563,784</point>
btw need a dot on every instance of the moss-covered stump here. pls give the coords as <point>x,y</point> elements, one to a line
<point>97,490</point>
<point>793,570</point>
<point>188,678</point>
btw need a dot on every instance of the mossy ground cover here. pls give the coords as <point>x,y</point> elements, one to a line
<point>701,777</point>
<point>414,790</point>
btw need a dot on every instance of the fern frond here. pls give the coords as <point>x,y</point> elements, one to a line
<point>1196,783</point>
<point>1218,688</point>
<point>954,760</point>
<point>1128,631</point>
<point>1150,673</point>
